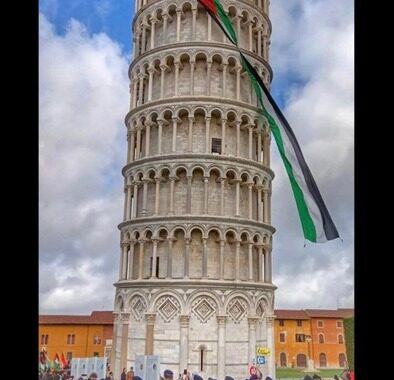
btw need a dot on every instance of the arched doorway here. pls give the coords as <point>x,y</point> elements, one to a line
<point>342,360</point>
<point>322,360</point>
<point>283,359</point>
<point>301,361</point>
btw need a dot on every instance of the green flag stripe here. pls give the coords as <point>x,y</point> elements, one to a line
<point>226,22</point>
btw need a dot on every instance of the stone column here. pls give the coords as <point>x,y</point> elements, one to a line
<point>250,142</point>
<point>250,261</point>
<point>221,346</point>
<point>172,183</point>
<point>128,206</point>
<point>190,141</point>
<point>266,265</point>
<point>131,145</point>
<point>259,213</point>
<point>157,195</point>
<point>154,255</point>
<point>238,22</point>
<point>222,182</point>
<point>261,261</point>
<point>135,84</point>
<point>121,261</point>
<point>266,151</point>
<point>163,69</point>
<point>224,136</point>
<point>143,42</point>
<point>141,93</point>
<point>125,338</point>
<point>176,64</point>
<point>258,41</point>
<point>192,63</point>
<point>178,24</point>
<point>160,135</point>
<point>150,326</point>
<point>124,260</point>
<point>147,138</point>
<point>265,202</point>
<point>153,21</point>
<point>206,179</point>
<point>174,126</point>
<point>125,203</point>
<point>165,22</point>
<point>207,133</point>
<point>135,198</point>
<point>258,145</point>
<point>187,254</point>
<point>169,258</point>
<point>252,322</point>
<point>194,11</point>
<point>131,261</point>
<point>209,65</point>
<point>271,345</point>
<point>250,36</point>
<point>142,243</point>
<point>144,197</point>
<point>137,51</point>
<point>209,28</point>
<point>237,246</point>
<point>224,79</point>
<point>221,264</point>
<point>238,71</point>
<point>184,343</point>
<point>189,195</point>
<point>114,341</point>
<point>238,143</point>
<point>237,181</point>
<point>151,71</point>
<point>204,258</point>
<point>250,194</point>
<point>265,47</point>
<point>138,147</point>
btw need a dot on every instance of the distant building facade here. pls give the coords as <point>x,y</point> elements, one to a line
<point>76,335</point>
<point>311,338</point>
<point>302,337</point>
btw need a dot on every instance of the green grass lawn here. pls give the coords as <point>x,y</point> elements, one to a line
<point>285,373</point>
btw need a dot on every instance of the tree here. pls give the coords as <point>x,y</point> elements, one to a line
<point>348,324</point>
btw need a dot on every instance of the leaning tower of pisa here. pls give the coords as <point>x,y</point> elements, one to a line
<point>195,280</point>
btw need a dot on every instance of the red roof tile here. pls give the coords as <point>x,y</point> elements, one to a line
<point>291,314</point>
<point>96,318</point>
<point>323,313</point>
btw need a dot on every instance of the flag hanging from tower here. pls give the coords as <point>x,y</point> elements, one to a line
<point>317,224</point>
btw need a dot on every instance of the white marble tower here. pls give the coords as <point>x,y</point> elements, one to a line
<point>195,281</point>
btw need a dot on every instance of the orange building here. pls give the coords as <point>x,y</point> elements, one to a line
<point>310,337</point>
<point>76,335</point>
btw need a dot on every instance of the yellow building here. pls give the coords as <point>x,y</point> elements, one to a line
<point>76,335</point>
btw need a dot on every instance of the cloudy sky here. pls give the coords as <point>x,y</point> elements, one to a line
<point>85,50</point>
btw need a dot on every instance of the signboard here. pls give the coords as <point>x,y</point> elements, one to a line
<point>261,360</point>
<point>252,370</point>
<point>262,351</point>
<point>85,366</point>
<point>147,367</point>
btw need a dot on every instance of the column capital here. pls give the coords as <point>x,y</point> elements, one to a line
<point>164,16</point>
<point>191,118</point>
<point>208,118</point>
<point>187,240</point>
<point>162,122</point>
<point>252,320</point>
<point>150,318</point>
<point>125,317</point>
<point>173,178</point>
<point>142,76</point>
<point>148,123</point>
<point>238,68</point>
<point>176,119</point>
<point>124,244</point>
<point>206,178</point>
<point>259,187</point>
<point>163,66</point>
<point>222,242</point>
<point>184,320</point>
<point>270,320</point>
<point>221,320</point>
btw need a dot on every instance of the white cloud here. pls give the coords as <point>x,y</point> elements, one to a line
<point>83,100</point>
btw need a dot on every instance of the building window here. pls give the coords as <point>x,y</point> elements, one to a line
<point>322,360</point>
<point>69,356</point>
<point>283,359</point>
<point>300,338</point>
<point>299,322</point>
<point>96,354</point>
<point>301,361</point>
<point>44,339</point>
<point>216,146</point>
<point>157,266</point>
<point>342,360</point>
<point>202,360</point>
<point>97,339</point>
<point>340,339</point>
<point>321,338</point>
<point>320,324</point>
<point>282,337</point>
<point>281,322</point>
<point>70,339</point>
<point>339,324</point>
